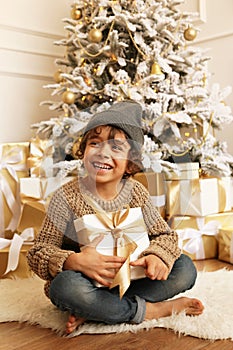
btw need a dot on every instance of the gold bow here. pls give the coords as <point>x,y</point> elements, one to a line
<point>123,245</point>
<point>39,152</point>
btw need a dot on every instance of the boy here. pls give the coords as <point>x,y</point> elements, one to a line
<point>111,153</point>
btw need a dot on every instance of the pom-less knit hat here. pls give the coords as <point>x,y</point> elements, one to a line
<point>125,115</point>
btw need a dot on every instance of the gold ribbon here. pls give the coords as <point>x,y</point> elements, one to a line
<point>40,150</point>
<point>123,245</point>
<point>173,194</point>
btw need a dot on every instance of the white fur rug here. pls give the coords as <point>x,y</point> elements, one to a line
<point>24,301</point>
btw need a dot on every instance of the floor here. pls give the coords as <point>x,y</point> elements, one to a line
<point>15,336</point>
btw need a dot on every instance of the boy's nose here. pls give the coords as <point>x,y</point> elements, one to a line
<point>105,150</point>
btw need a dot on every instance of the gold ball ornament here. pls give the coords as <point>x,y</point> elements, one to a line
<point>190,34</point>
<point>57,76</point>
<point>68,97</point>
<point>76,13</point>
<point>95,35</point>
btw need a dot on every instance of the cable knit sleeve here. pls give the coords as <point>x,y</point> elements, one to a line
<point>163,240</point>
<point>46,257</point>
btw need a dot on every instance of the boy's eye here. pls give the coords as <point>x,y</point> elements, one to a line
<point>117,147</point>
<point>93,143</point>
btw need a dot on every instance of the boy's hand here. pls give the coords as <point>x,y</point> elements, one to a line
<point>154,267</point>
<point>101,268</point>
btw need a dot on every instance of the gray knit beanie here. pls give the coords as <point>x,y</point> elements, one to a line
<point>125,115</point>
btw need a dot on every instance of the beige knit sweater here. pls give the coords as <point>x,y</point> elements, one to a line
<point>57,237</point>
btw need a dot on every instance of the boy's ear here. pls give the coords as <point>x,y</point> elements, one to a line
<point>128,170</point>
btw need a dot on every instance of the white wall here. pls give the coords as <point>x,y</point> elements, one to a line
<point>28,29</point>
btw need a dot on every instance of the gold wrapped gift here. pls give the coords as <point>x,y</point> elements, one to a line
<point>154,183</point>
<point>32,215</point>
<point>40,160</point>
<point>199,244</point>
<point>35,196</point>
<point>22,270</point>
<point>13,160</point>
<point>13,252</point>
<point>225,244</point>
<point>198,197</point>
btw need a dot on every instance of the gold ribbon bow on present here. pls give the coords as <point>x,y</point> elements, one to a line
<point>40,151</point>
<point>123,245</point>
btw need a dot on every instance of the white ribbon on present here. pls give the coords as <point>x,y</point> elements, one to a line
<point>12,162</point>
<point>158,201</point>
<point>195,242</point>
<point>26,237</point>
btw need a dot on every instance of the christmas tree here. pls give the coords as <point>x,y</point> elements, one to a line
<point>140,50</point>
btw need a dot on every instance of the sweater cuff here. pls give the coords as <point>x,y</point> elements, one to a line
<point>57,260</point>
<point>168,259</point>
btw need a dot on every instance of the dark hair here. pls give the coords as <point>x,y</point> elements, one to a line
<point>134,158</point>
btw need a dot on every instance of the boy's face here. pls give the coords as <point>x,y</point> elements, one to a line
<point>106,159</point>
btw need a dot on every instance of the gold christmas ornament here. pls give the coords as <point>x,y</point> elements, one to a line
<point>76,13</point>
<point>190,34</point>
<point>95,35</point>
<point>157,73</point>
<point>57,76</point>
<point>68,97</point>
<point>155,69</point>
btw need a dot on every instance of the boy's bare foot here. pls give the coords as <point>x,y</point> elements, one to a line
<point>190,306</point>
<point>73,323</point>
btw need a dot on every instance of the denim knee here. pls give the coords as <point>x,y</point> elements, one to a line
<point>187,273</point>
<point>67,289</point>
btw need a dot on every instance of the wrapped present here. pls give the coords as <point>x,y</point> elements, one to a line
<point>40,160</point>
<point>124,234</point>
<point>32,215</point>
<point>199,243</point>
<point>13,165</point>
<point>35,195</point>
<point>184,171</point>
<point>154,182</point>
<point>13,255</point>
<point>198,197</point>
<point>179,222</point>
<point>225,244</point>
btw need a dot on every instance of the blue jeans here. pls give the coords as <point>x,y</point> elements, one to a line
<point>74,292</point>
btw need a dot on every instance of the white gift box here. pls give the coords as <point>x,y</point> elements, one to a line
<point>90,227</point>
<point>199,197</point>
<point>41,188</point>
<point>184,171</point>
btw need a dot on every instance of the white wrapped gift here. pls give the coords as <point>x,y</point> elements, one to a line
<point>130,229</point>
<point>198,197</point>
